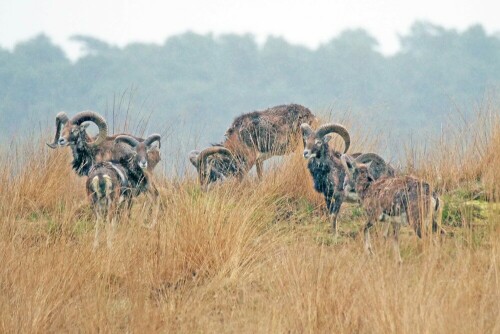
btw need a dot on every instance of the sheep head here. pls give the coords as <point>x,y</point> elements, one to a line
<point>213,164</point>
<point>316,142</point>
<point>140,149</point>
<point>362,169</point>
<point>71,131</point>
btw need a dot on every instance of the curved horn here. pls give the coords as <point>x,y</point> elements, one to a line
<point>306,129</point>
<point>202,158</point>
<point>127,140</point>
<point>213,150</point>
<point>61,119</point>
<point>92,116</point>
<point>152,138</point>
<point>376,160</point>
<point>335,128</point>
<point>368,157</point>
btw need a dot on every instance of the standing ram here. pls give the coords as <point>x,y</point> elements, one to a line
<point>326,168</point>
<point>139,176</point>
<point>250,140</point>
<point>400,200</point>
<point>89,150</point>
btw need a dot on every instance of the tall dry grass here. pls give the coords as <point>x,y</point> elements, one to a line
<point>465,152</point>
<point>244,257</point>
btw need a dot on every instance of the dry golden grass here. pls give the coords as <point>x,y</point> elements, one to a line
<point>249,257</point>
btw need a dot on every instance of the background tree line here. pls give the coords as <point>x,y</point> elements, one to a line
<point>204,81</point>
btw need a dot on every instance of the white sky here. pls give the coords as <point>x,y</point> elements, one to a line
<point>307,22</point>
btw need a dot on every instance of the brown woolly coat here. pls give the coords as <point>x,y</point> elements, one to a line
<point>271,131</point>
<point>393,196</point>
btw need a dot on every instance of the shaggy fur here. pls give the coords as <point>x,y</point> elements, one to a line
<point>401,200</point>
<point>252,138</point>
<point>219,166</point>
<point>272,130</point>
<point>137,167</point>
<point>73,132</point>
<point>325,166</point>
<point>328,175</point>
<point>108,191</point>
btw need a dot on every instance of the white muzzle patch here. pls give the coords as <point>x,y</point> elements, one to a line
<point>308,154</point>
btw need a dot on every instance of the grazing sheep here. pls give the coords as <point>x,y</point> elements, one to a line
<point>250,140</point>
<point>87,150</point>
<point>399,199</point>
<point>108,190</point>
<point>219,164</point>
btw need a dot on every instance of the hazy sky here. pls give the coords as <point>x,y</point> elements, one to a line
<point>304,22</point>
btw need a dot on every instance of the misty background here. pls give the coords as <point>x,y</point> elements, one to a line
<point>193,85</point>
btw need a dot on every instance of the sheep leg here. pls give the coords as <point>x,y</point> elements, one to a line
<point>97,225</point>
<point>396,226</point>
<point>111,223</point>
<point>387,227</point>
<point>259,165</point>
<point>417,226</point>
<point>128,207</point>
<point>366,232</point>
<point>431,213</point>
<point>334,208</point>
<point>155,208</point>
<point>155,203</point>
<point>124,211</point>
<point>437,216</point>
<point>111,233</point>
<point>329,205</point>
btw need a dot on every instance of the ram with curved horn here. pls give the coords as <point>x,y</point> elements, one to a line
<point>89,150</point>
<point>138,173</point>
<point>325,166</point>
<point>399,200</point>
<point>376,166</point>
<point>216,163</point>
<point>250,140</point>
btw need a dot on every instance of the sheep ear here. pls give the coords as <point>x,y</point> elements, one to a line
<point>327,138</point>
<point>84,126</point>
